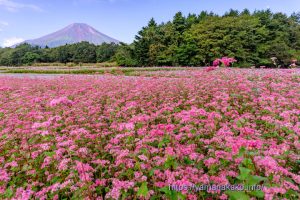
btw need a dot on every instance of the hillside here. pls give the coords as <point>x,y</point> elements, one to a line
<point>71,34</point>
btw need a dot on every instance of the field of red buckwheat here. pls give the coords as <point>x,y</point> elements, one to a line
<point>118,137</point>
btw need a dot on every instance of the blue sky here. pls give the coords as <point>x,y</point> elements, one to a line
<point>121,19</point>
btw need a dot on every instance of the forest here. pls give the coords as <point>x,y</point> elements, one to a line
<point>259,38</point>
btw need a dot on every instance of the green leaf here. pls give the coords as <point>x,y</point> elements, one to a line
<point>237,195</point>
<point>244,173</point>
<point>247,162</point>
<point>143,190</point>
<point>181,196</point>
<point>242,151</point>
<point>193,131</point>
<point>138,125</point>
<point>26,167</point>
<point>151,173</point>
<point>8,193</point>
<point>165,190</point>
<point>170,162</point>
<point>259,194</point>
<point>129,172</point>
<point>291,193</point>
<point>163,142</point>
<point>50,154</point>
<point>56,180</point>
<point>254,180</point>
<point>187,161</point>
<point>172,194</point>
<point>144,151</point>
<point>239,124</point>
<point>129,139</point>
<point>177,110</point>
<point>124,195</point>
<point>154,198</point>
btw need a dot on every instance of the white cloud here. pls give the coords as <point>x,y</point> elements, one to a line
<point>77,2</point>
<point>15,6</point>
<point>11,41</point>
<point>3,23</point>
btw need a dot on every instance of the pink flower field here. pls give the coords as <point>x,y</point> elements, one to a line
<point>118,137</point>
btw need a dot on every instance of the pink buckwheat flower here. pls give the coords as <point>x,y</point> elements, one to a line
<point>61,100</point>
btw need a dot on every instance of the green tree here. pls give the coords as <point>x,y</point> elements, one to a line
<point>105,52</point>
<point>124,55</point>
<point>146,37</point>
<point>63,54</point>
<point>84,52</point>
<point>30,58</point>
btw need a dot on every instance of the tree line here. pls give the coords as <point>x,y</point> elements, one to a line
<point>260,38</point>
<point>82,52</point>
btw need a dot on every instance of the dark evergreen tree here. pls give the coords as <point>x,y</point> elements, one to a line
<point>105,52</point>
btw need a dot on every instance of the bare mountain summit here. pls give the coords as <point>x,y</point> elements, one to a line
<point>71,34</point>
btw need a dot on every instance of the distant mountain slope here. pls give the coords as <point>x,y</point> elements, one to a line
<point>71,34</point>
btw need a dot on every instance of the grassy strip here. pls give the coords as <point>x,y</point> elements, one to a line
<point>71,64</point>
<point>125,71</point>
<point>30,71</point>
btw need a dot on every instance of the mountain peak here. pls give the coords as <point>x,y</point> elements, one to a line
<point>79,25</point>
<point>73,33</point>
